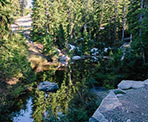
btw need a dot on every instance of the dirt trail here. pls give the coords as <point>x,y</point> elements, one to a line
<point>23,25</point>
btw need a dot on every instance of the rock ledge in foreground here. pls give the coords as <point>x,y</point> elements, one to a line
<point>129,84</point>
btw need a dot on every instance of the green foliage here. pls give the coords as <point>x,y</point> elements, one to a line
<point>4,18</point>
<point>110,73</point>
<point>82,106</point>
<point>133,17</point>
<point>39,106</point>
<point>65,21</point>
<point>39,20</point>
<point>48,45</point>
<point>60,37</point>
<point>86,24</point>
<point>73,98</point>
<point>13,59</point>
<point>15,7</point>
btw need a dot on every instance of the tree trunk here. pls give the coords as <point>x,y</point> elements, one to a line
<point>47,16</point>
<point>123,20</point>
<point>140,30</point>
<point>116,15</point>
<point>22,2</point>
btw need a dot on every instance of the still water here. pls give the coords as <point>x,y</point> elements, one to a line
<point>24,115</point>
<point>39,108</point>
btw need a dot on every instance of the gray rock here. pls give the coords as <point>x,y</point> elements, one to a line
<point>93,120</point>
<point>58,51</point>
<point>105,50</point>
<point>126,45</point>
<point>94,59</point>
<point>72,47</point>
<point>60,113</point>
<point>98,117</point>
<point>94,51</point>
<point>146,82</point>
<point>128,120</point>
<point>109,103</point>
<point>122,58</point>
<point>119,95</point>
<point>129,84</point>
<point>64,58</point>
<point>48,86</point>
<point>76,58</point>
<point>102,28</point>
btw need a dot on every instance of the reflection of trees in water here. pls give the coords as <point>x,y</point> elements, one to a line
<point>8,113</point>
<point>55,102</point>
<point>72,95</point>
<point>39,106</point>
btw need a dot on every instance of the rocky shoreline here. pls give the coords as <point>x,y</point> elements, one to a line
<point>124,104</point>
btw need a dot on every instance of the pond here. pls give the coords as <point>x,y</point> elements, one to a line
<point>72,101</point>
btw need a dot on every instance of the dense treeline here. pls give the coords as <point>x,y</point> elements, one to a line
<point>86,24</point>
<point>95,21</point>
<point>91,24</point>
<point>13,49</point>
<point>13,58</point>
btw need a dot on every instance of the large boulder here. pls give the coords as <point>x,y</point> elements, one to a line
<point>47,86</point>
<point>98,117</point>
<point>129,84</point>
<point>109,103</point>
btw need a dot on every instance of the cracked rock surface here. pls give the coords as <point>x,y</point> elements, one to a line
<point>128,103</point>
<point>134,107</point>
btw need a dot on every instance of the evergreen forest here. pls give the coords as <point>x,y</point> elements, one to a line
<point>80,45</point>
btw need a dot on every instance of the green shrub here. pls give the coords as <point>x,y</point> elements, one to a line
<point>13,57</point>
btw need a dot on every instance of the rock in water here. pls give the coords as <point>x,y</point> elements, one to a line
<point>58,51</point>
<point>94,59</point>
<point>72,47</point>
<point>64,58</point>
<point>94,51</point>
<point>76,58</point>
<point>47,86</point>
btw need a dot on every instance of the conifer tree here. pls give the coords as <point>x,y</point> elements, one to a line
<point>39,20</point>
<point>133,17</point>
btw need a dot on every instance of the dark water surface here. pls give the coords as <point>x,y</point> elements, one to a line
<point>45,107</point>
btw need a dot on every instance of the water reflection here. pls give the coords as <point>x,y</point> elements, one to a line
<point>24,115</point>
<point>68,103</point>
